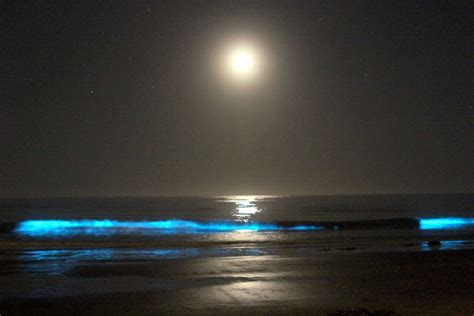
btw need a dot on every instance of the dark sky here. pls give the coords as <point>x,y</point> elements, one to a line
<point>110,98</point>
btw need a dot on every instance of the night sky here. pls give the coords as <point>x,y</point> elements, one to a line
<point>110,98</point>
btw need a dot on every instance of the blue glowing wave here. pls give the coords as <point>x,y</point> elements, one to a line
<point>38,228</point>
<point>445,223</point>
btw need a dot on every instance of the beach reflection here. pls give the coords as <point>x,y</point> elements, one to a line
<point>219,275</point>
<point>58,261</point>
<point>448,245</point>
<point>255,281</point>
<point>55,262</point>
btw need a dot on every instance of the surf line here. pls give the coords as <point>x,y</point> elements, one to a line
<point>111,227</point>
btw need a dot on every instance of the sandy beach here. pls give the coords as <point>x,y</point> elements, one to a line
<point>316,282</point>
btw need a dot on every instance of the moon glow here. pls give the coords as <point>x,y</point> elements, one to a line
<point>242,62</point>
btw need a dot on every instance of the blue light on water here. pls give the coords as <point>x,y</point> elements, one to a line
<point>39,228</point>
<point>445,223</point>
<point>59,261</point>
<point>56,262</point>
<point>446,245</point>
<point>303,227</point>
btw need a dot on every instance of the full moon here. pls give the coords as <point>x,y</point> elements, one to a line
<point>242,62</point>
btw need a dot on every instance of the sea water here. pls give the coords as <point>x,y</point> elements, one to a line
<point>53,235</point>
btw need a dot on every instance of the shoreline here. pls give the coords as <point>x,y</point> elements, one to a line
<point>434,282</point>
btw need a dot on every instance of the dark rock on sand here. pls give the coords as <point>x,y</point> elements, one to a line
<point>434,243</point>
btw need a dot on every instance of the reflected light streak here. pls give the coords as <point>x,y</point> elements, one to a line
<point>445,223</point>
<point>245,207</point>
<point>42,228</point>
<point>56,262</point>
<point>446,245</point>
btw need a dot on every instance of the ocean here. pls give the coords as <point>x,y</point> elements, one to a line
<point>58,247</point>
<point>364,222</point>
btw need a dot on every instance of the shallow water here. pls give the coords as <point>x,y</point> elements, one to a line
<point>364,222</point>
<point>251,250</point>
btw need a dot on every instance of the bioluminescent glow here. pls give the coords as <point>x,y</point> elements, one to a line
<point>445,223</point>
<point>44,228</point>
<point>304,227</point>
<point>58,261</point>
<point>447,245</point>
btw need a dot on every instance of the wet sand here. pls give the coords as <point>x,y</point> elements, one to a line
<point>318,282</point>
